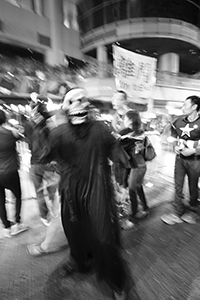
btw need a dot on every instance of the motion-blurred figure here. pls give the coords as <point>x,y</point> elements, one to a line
<point>36,132</point>
<point>9,176</point>
<point>82,148</point>
<point>120,105</point>
<point>133,138</point>
<point>54,239</point>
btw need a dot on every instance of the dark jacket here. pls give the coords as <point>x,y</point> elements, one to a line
<point>9,159</point>
<point>37,138</point>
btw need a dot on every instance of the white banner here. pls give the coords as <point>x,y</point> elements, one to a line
<point>134,73</point>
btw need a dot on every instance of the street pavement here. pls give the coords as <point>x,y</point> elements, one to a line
<point>164,260</point>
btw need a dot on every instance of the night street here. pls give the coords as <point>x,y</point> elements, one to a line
<point>164,260</point>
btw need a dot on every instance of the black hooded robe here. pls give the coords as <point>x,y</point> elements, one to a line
<point>88,209</point>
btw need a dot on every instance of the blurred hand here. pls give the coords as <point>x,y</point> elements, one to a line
<point>116,135</point>
<point>188,151</point>
<point>177,150</point>
<point>139,147</point>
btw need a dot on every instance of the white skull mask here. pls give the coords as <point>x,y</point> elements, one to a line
<point>76,103</point>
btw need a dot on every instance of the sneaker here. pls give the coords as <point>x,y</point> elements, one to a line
<point>126,224</point>
<point>171,219</point>
<point>119,296</point>
<point>190,218</point>
<point>142,214</point>
<point>18,228</point>
<point>46,222</point>
<point>7,232</point>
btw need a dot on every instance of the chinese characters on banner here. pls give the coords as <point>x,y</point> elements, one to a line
<point>134,73</point>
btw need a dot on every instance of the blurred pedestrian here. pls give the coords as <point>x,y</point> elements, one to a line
<point>82,148</point>
<point>54,239</point>
<point>43,175</point>
<point>186,132</point>
<point>133,139</point>
<point>120,105</point>
<point>9,176</point>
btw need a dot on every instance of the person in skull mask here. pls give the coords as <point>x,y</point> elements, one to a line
<point>82,148</point>
<point>36,131</point>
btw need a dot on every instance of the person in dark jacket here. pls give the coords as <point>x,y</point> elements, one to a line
<point>132,136</point>
<point>37,133</point>
<point>9,176</point>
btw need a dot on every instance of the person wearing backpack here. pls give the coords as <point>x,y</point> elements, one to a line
<point>36,132</point>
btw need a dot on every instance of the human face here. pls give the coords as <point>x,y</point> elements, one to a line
<point>188,108</point>
<point>127,122</point>
<point>118,100</point>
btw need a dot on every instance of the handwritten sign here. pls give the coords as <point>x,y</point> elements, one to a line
<point>134,73</point>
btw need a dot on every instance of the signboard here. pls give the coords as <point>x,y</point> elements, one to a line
<point>134,73</point>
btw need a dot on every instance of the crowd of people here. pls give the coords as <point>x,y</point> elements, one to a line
<point>26,75</point>
<point>89,166</point>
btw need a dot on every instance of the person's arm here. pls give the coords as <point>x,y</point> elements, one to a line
<point>28,131</point>
<point>51,149</point>
<point>16,133</point>
<point>115,151</point>
<point>169,131</point>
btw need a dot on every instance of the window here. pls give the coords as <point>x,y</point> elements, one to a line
<point>14,2</point>
<point>70,15</point>
<point>33,5</point>
<point>38,7</point>
<point>26,4</point>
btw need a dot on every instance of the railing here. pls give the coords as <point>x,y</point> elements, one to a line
<point>141,27</point>
<point>178,80</point>
<point>113,11</point>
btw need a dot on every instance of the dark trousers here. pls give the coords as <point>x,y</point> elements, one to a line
<point>135,182</point>
<point>11,182</point>
<point>191,168</point>
<point>38,174</point>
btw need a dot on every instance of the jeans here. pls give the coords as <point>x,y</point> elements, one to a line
<point>11,182</point>
<point>38,174</point>
<point>135,182</point>
<point>191,168</point>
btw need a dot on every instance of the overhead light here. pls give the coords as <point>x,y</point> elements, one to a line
<point>9,73</point>
<point>14,107</point>
<point>29,50</point>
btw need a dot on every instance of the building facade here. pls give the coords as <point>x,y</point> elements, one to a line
<point>52,30</point>
<point>47,27</point>
<point>166,30</point>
